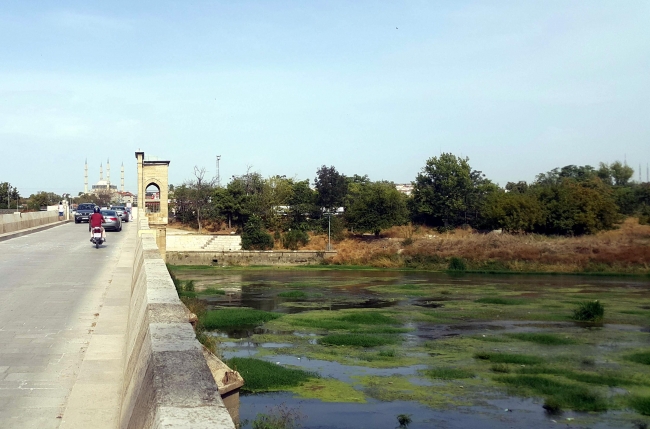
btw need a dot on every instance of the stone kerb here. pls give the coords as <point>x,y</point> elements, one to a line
<point>167,382</point>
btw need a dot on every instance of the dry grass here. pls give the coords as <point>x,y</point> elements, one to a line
<point>626,249</point>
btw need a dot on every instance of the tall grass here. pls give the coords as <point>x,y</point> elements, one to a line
<point>229,318</point>
<point>262,376</point>
<point>589,311</point>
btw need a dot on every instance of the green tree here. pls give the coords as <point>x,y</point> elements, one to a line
<point>448,192</point>
<point>254,237</point>
<point>375,206</point>
<point>302,205</point>
<point>576,208</point>
<point>331,187</point>
<point>621,173</point>
<point>9,195</point>
<point>512,211</point>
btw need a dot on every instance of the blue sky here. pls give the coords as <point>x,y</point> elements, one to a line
<point>282,87</point>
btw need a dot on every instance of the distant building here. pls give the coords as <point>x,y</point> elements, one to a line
<point>405,188</point>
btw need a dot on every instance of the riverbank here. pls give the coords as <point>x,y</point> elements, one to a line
<point>625,250</point>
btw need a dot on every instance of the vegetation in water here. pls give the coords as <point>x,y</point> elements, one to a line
<point>545,339</point>
<point>448,373</point>
<point>228,318</point>
<point>263,376</point>
<point>641,404</point>
<point>640,357</point>
<point>278,417</point>
<point>510,358</point>
<point>589,311</point>
<point>404,420</point>
<point>357,340</point>
<point>566,395</point>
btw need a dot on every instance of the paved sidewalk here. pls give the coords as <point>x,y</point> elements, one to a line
<point>62,324</point>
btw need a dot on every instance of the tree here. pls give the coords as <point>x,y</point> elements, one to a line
<point>254,237</point>
<point>42,199</point>
<point>9,195</point>
<point>576,208</point>
<point>302,205</point>
<point>200,193</point>
<point>331,187</point>
<point>621,173</point>
<point>448,192</point>
<point>512,211</point>
<point>375,206</point>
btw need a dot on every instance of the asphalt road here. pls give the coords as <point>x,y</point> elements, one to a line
<point>52,287</point>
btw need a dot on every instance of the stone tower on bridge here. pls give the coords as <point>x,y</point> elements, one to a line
<point>153,187</point>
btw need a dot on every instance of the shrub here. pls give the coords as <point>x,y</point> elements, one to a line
<point>589,311</point>
<point>552,406</point>
<point>404,420</point>
<point>294,239</point>
<point>456,264</point>
<point>189,286</point>
<point>254,237</point>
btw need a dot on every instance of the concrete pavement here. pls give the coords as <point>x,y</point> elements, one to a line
<point>63,310</point>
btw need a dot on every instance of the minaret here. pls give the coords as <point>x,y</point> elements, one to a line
<point>101,172</point>
<point>122,179</point>
<point>86,177</point>
<point>108,171</point>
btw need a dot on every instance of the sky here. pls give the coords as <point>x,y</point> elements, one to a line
<point>284,87</point>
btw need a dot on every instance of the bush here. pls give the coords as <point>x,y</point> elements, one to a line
<point>457,264</point>
<point>589,311</point>
<point>552,406</point>
<point>280,417</point>
<point>641,357</point>
<point>294,239</point>
<point>254,237</point>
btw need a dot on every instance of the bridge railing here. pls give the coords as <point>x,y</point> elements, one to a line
<point>167,382</point>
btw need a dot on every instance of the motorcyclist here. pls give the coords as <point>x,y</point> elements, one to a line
<point>96,220</point>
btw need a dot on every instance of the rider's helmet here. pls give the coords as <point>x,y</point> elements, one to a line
<point>96,209</point>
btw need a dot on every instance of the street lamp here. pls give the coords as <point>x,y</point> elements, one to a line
<point>329,230</point>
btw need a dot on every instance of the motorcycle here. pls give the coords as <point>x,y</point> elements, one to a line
<point>97,237</point>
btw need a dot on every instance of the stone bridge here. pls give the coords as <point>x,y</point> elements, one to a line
<point>97,338</point>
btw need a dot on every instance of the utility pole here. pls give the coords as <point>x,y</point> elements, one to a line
<point>218,173</point>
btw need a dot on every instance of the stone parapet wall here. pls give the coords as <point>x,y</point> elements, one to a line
<point>167,381</point>
<point>20,221</point>
<point>248,257</point>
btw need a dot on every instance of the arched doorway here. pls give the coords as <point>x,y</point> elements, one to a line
<point>152,198</point>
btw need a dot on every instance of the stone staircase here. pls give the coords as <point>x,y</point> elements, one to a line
<point>207,243</point>
<point>223,243</point>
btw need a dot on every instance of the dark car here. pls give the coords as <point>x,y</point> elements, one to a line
<point>112,222</point>
<point>83,212</point>
<point>122,212</point>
